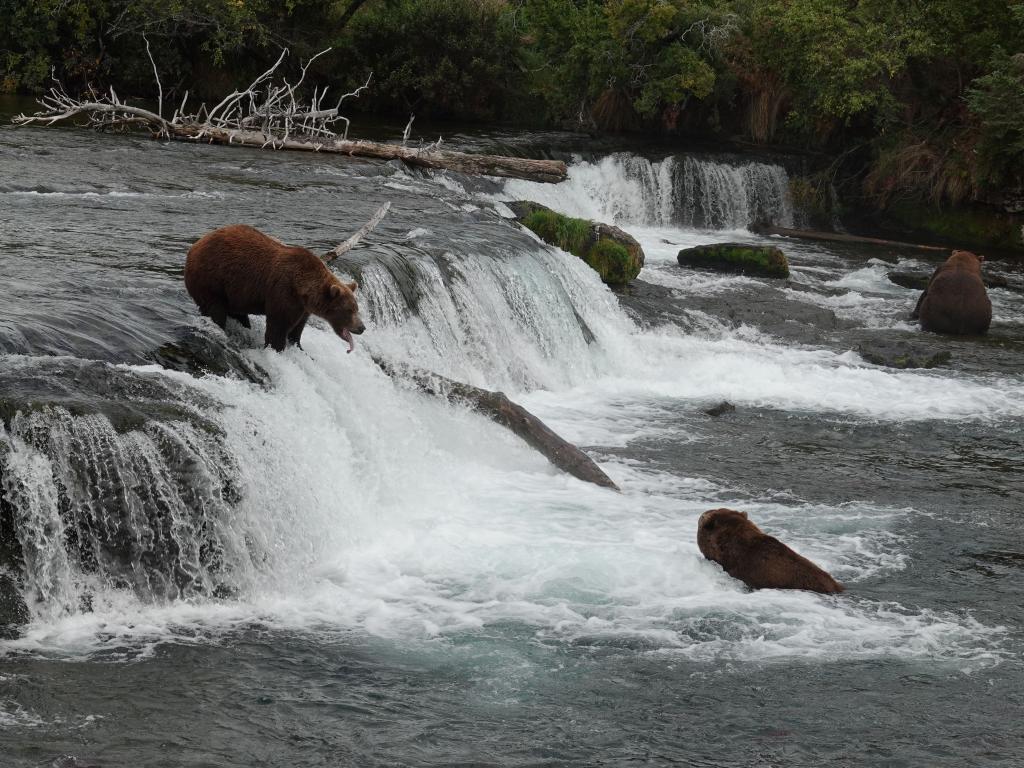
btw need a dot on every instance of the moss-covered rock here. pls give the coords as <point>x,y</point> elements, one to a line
<point>615,255</point>
<point>739,258</point>
<point>901,355</point>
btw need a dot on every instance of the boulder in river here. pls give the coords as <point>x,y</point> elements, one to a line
<point>902,355</point>
<point>739,258</point>
<point>615,255</point>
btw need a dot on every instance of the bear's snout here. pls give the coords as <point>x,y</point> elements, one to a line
<point>357,327</point>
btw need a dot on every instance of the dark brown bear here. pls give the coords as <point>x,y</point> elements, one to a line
<point>955,300</point>
<point>758,560</point>
<point>238,271</point>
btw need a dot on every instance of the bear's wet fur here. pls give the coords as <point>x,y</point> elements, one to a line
<point>237,271</point>
<point>758,560</point>
<point>955,300</point>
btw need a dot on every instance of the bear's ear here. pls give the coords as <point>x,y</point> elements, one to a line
<point>333,291</point>
<point>744,515</point>
<point>352,286</point>
<point>980,257</point>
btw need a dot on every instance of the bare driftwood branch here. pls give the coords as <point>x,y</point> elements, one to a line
<point>497,407</point>
<point>362,232</point>
<point>156,76</point>
<point>270,112</point>
<point>408,130</point>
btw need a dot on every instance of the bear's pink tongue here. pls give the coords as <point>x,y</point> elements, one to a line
<point>347,336</point>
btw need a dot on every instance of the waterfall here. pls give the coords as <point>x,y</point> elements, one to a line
<point>169,486</point>
<point>680,190</point>
<point>93,507</point>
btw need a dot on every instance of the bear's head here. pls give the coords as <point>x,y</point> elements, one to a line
<point>340,309</point>
<point>716,522</point>
<point>966,259</point>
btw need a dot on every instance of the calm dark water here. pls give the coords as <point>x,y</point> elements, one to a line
<point>470,606</point>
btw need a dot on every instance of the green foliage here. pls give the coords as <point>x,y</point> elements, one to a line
<point>97,41</point>
<point>435,57</point>
<point>998,100</point>
<point>617,61</point>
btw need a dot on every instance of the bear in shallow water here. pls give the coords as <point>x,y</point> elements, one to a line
<point>758,560</point>
<point>955,300</point>
<point>238,271</point>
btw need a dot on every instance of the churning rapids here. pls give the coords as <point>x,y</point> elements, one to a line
<point>294,560</point>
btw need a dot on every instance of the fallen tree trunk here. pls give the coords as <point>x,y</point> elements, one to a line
<point>272,115</point>
<point>838,237</point>
<point>497,407</point>
<point>546,171</point>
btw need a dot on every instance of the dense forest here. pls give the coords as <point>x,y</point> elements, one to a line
<point>907,99</point>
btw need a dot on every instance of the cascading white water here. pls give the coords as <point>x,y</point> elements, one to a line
<point>684,190</point>
<point>338,496</point>
<point>143,508</point>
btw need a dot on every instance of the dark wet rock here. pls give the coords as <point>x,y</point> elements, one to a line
<point>902,355</point>
<point>761,306</point>
<point>13,611</point>
<point>128,398</point>
<point>737,258</point>
<point>614,254</point>
<point>10,547</point>
<point>916,281</point>
<point>202,354</point>
<point>722,408</point>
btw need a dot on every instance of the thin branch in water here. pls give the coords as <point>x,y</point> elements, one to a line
<point>362,232</point>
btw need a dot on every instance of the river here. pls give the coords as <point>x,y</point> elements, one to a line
<point>294,560</point>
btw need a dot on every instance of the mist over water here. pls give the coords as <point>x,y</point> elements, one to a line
<point>330,550</point>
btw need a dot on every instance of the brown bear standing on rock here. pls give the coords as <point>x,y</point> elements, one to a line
<point>238,271</point>
<point>955,300</point>
<point>758,560</point>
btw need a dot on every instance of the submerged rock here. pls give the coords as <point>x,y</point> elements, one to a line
<point>738,258</point>
<point>722,408</point>
<point>13,611</point>
<point>614,254</point>
<point>902,355</point>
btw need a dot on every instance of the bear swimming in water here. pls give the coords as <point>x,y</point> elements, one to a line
<point>955,300</point>
<point>238,271</point>
<point>758,560</point>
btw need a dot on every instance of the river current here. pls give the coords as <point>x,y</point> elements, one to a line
<point>294,560</point>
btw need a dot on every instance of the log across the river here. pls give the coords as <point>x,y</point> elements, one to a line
<point>497,407</point>
<point>838,237</point>
<point>549,171</point>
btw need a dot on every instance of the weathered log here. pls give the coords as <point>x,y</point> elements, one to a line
<point>497,407</point>
<point>838,237</point>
